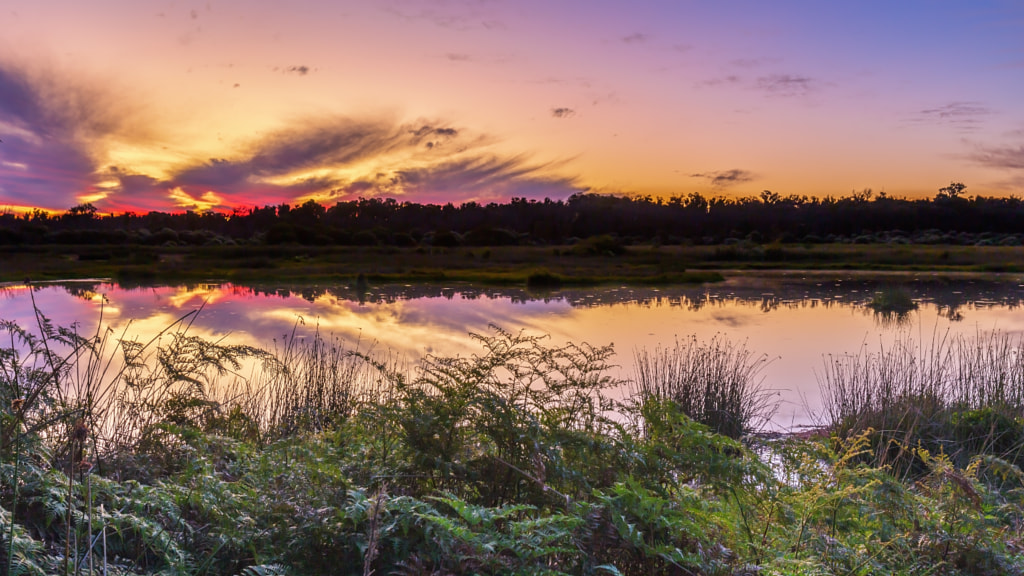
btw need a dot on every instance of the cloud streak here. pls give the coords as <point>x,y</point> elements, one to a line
<point>725,178</point>
<point>966,116</point>
<point>1005,157</point>
<point>787,85</point>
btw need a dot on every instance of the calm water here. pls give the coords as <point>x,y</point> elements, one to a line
<point>794,318</point>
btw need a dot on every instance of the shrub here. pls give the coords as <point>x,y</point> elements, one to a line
<point>603,245</point>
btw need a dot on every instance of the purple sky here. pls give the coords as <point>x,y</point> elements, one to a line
<point>195,105</point>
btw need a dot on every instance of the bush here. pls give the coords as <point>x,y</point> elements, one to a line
<point>604,245</point>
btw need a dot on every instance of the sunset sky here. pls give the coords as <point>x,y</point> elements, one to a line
<point>173,105</point>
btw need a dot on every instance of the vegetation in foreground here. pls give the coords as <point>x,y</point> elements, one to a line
<point>129,457</point>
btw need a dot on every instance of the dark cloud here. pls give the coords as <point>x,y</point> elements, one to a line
<point>725,178</point>
<point>426,130</point>
<point>342,143</point>
<point>563,112</point>
<point>300,70</point>
<point>1001,157</point>
<point>324,141</point>
<point>786,85</point>
<point>636,38</point>
<point>457,57</point>
<point>51,130</point>
<point>432,137</point>
<point>481,178</point>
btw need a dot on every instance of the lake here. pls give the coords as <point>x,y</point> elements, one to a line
<point>796,319</point>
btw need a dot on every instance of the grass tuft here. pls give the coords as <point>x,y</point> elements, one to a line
<point>716,383</point>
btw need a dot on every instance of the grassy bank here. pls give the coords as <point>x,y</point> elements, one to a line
<point>569,265</point>
<point>181,456</point>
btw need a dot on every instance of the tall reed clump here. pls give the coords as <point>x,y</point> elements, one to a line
<point>717,383</point>
<point>962,395</point>
<point>305,385</point>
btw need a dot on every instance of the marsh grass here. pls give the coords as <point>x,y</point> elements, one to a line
<point>307,385</point>
<point>717,383</point>
<point>961,395</point>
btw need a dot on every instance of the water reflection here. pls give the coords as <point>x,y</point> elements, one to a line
<point>797,317</point>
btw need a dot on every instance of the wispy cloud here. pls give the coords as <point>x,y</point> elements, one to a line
<point>966,116</point>
<point>478,178</point>
<point>773,85</point>
<point>748,63</point>
<point>786,85</point>
<point>636,38</point>
<point>730,80</point>
<point>725,178</point>
<point>1001,157</point>
<point>459,15</point>
<point>563,112</point>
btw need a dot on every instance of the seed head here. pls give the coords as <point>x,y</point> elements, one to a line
<point>80,431</point>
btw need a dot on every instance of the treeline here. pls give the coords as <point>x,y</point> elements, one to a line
<point>863,217</point>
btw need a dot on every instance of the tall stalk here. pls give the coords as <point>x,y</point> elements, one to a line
<point>16,405</point>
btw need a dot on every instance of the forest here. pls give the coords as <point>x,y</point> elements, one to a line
<point>950,217</point>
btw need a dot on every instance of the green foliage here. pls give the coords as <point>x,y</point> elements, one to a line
<point>512,461</point>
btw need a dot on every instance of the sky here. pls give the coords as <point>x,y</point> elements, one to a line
<point>220,104</point>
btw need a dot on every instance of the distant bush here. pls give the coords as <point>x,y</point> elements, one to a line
<point>490,237</point>
<point>543,279</point>
<point>445,239</point>
<point>603,245</point>
<point>365,238</point>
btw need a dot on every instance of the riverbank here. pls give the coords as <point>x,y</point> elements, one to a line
<point>505,265</point>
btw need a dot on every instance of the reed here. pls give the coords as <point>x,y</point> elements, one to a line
<point>963,395</point>
<point>717,383</point>
<point>307,384</point>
